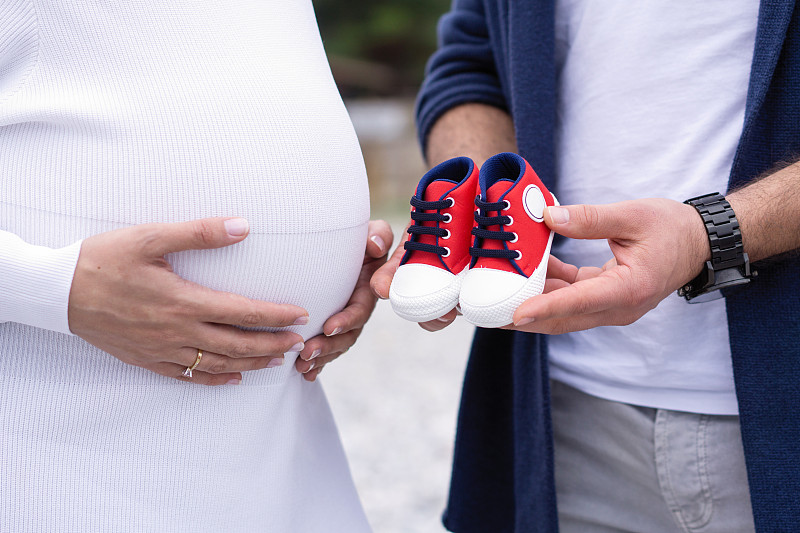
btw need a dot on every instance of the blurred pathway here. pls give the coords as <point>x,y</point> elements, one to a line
<point>395,397</point>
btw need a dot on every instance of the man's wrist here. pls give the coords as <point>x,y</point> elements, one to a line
<point>478,131</point>
<point>728,265</point>
<point>697,244</point>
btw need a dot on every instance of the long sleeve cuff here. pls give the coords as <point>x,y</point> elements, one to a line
<point>35,282</point>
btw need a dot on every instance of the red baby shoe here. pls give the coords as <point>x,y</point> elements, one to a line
<point>428,281</point>
<point>512,242</point>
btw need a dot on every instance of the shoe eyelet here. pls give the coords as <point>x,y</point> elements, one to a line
<point>510,220</point>
<point>507,205</point>
<point>515,239</point>
<point>447,252</point>
<point>452,202</point>
<point>447,235</point>
<point>519,255</point>
<point>448,219</point>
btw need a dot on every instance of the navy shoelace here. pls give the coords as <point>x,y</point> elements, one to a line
<point>482,232</point>
<point>417,229</point>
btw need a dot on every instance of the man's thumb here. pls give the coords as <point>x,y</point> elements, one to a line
<point>198,234</point>
<point>587,221</point>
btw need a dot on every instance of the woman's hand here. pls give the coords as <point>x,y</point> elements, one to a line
<point>342,329</point>
<point>126,300</point>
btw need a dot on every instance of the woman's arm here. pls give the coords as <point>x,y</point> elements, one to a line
<point>118,292</point>
<point>35,282</point>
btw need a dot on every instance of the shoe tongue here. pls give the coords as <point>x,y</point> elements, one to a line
<point>437,190</point>
<point>498,189</point>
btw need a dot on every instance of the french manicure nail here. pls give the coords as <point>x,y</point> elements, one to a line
<point>335,332</point>
<point>315,354</point>
<point>379,242</point>
<point>278,361</point>
<point>310,368</point>
<point>523,321</point>
<point>236,227</point>
<point>443,319</point>
<point>297,347</point>
<point>234,381</point>
<point>301,321</point>
<point>559,215</point>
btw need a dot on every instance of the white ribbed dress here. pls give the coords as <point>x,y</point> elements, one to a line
<point>120,113</point>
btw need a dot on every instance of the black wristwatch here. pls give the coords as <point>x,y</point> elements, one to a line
<point>729,265</point>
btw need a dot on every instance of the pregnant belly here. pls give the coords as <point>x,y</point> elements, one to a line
<point>316,271</point>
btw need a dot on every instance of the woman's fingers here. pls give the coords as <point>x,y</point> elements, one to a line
<point>236,343</point>
<point>315,366</point>
<point>174,371</point>
<point>229,308</point>
<point>214,363</point>
<point>321,346</point>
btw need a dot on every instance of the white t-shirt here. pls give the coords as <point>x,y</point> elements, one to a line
<point>652,99</point>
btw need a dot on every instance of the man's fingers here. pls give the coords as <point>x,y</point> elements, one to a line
<point>156,240</point>
<point>609,221</point>
<point>588,272</point>
<point>552,284</point>
<point>558,269</point>
<point>557,326</point>
<point>380,238</point>
<point>440,323</point>
<point>583,297</point>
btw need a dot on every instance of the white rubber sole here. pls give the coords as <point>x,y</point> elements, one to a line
<point>499,313</point>
<point>425,307</point>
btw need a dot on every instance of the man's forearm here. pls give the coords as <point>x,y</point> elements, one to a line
<point>474,130</point>
<point>768,211</point>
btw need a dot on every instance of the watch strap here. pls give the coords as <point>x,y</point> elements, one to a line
<point>722,227</point>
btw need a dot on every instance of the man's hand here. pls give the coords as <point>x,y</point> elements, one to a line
<point>658,246</point>
<point>382,280</point>
<point>126,300</point>
<point>342,329</point>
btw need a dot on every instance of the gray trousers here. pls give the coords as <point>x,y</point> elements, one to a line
<point>620,467</point>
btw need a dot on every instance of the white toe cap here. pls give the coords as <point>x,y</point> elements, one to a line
<point>417,280</point>
<point>484,287</point>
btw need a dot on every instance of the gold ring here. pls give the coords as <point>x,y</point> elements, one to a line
<point>188,372</point>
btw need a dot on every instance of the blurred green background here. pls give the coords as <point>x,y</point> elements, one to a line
<point>378,51</point>
<point>379,48</point>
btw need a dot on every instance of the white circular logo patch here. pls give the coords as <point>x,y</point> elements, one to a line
<point>533,200</point>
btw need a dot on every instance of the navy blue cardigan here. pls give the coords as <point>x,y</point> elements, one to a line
<point>501,53</point>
